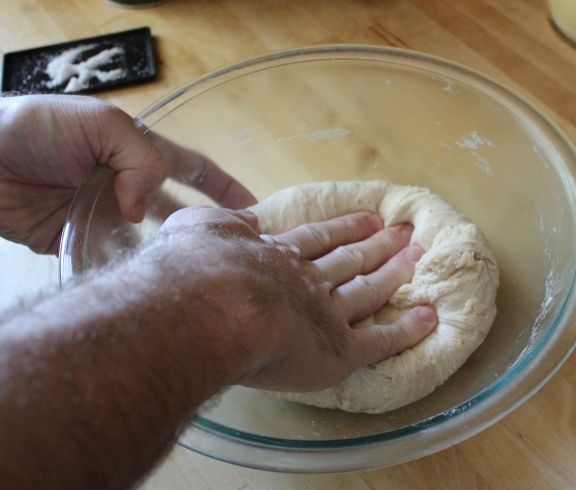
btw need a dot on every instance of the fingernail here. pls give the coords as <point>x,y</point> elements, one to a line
<point>406,231</point>
<point>414,252</point>
<point>373,219</point>
<point>139,210</point>
<point>427,314</point>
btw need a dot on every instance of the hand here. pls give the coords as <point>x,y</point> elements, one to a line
<point>50,144</point>
<point>291,299</point>
<point>205,304</point>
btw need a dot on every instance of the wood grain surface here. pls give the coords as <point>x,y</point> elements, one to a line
<point>509,40</point>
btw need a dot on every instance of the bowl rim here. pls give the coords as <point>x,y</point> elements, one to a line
<point>489,406</point>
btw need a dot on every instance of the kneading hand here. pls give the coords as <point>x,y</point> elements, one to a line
<point>290,299</point>
<point>49,145</point>
<point>117,365</point>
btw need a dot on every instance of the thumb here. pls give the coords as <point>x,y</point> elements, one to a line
<point>139,166</point>
<point>379,342</point>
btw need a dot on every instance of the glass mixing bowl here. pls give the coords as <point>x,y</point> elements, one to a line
<point>361,112</point>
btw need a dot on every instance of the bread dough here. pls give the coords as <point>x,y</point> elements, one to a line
<point>457,274</point>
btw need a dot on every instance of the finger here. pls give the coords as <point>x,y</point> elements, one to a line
<point>115,232</point>
<point>139,166</point>
<point>196,170</point>
<point>379,342</point>
<point>316,239</point>
<point>364,295</point>
<point>348,261</point>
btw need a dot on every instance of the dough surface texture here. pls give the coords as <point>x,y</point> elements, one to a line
<point>457,274</point>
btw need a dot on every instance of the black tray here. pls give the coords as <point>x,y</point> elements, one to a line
<point>24,71</point>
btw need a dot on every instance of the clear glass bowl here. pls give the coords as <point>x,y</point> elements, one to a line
<point>362,112</point>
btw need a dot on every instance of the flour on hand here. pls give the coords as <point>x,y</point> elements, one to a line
<point>457,274</point>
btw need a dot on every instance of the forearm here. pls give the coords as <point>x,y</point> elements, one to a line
<point>97,382</point>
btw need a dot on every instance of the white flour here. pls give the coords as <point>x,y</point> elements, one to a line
<point>62,68</point>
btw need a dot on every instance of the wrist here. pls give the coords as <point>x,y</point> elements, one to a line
<point>215,304</point>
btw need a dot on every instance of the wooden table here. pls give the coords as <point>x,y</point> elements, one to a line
<point>509,40</point>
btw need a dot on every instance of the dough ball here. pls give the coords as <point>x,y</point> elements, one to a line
<point>457,274</point>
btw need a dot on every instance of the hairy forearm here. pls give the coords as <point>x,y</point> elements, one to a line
<point>97,382</point>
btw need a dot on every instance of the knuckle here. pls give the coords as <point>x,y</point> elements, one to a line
<point>404,332</point>
<point>390,246</point>
<point>372,294</point>
<point>295,250</point>
<point>386,344</point>
<point>112,120</point>
<point>314,272</point>
<point>399,271</point>
<point>326,287</point>
<point>395,274</point>
<point>318,235</point>
<point>279,258</point>
<point>108,108</point>
<point>352,255</point>
<point>364,219</point>
<point>289,254</point>
<point>272,241</point>
<point>109,115</point>
<point>267,238</point>
<point>178,217</point>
